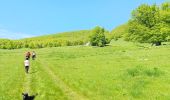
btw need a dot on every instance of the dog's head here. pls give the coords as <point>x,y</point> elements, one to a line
<point>25,96</point>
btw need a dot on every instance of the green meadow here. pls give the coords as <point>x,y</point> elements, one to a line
<point>119,71</point>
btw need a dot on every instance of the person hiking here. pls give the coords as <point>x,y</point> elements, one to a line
<point>33,55</point>
<point>28,54</point>
<point>27,65</point>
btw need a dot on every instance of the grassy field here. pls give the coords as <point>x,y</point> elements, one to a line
<point>121,71</point>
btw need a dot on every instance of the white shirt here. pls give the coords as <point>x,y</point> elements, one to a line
<point>33,54</point>
<point>26,63</point>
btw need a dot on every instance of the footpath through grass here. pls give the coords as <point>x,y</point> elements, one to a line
<point>116,72</point>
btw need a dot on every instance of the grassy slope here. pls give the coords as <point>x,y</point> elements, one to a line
<point>70,36</point>
<point>120,71</point>
<point>119,31</point>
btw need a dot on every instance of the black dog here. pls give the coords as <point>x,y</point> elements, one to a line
<point>27,97</point>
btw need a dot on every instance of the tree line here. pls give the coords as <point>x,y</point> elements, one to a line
<point>56,40</point>
<point>16,44</point>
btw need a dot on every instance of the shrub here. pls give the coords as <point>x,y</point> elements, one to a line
<point>97,37</point>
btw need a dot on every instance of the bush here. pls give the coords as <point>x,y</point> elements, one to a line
<point>97,37</point>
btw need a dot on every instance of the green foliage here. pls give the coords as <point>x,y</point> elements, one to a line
<point>54,40</point>
<point>149,23</point>
<point>137,32</point>
<point>97,37</point>
<point>165,13</point>
<point>146,15</point>
<point>165,6</point>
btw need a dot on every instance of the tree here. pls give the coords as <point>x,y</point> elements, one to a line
<point>97,37</point>
<point>159,33</point>
<point>150,24</point>
<point>137,33</point>
<point>146,15</point>
<point>165,13</point>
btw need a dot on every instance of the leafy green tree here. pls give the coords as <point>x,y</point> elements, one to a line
<point>146,15</point>
<point>97,37</point>
<point>165,13</point>
<point>150,23</point>
<point>159,33</point>
<point>137,32</point>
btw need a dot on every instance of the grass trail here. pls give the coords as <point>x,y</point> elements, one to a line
<point>27,83</point>
<point>71,94</point>
<point>41,83</point>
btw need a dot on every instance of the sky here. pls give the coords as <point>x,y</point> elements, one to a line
<point>28,18</point>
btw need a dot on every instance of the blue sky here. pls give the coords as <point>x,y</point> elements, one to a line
<point>27,18</point>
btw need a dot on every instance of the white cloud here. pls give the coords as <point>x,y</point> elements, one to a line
<point>13,35</point>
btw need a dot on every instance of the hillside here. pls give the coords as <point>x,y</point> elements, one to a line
<point>61,39</point>
<point>72,36</point>
<point>122,71</point>
<point>119,31</point>
<point>51,40</point>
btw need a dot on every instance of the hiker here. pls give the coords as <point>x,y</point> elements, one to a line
<point>26,64</point>
<point>28,54</point>
<point>33,55</point>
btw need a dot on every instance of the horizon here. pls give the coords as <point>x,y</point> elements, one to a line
<point>24,19</point>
